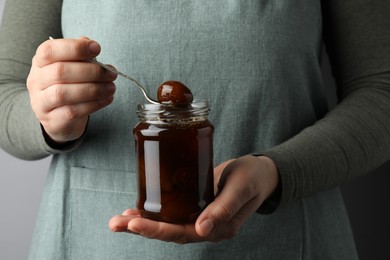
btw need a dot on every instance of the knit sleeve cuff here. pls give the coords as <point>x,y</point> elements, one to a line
<point>53,147</point>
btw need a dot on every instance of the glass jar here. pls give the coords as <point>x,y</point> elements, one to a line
<point>174,155</point>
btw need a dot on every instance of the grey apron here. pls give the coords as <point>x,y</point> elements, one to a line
<point>256,61</point>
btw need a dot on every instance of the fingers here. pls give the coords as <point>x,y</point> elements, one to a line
<point>71,94</point>
<point>131,212</point>
<point>176,233</point>
<point>65,50</point>
<point>119,223</point>
<point>131,222</point>
<point>63,109</point>
<point>69,72</point>
<point>67,113</point>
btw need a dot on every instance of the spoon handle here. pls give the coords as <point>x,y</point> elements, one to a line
<point>112,69</point>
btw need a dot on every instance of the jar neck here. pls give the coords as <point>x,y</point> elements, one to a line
<point>197,111</point>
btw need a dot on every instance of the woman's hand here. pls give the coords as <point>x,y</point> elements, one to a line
<point>245,183</point>
<point>64,89</point>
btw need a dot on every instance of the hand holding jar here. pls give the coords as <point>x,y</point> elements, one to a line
<point>248,181</point>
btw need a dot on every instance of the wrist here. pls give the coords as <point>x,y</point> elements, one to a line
<point>63,145</point>
<point>58,145</point>
<point>274,194</point>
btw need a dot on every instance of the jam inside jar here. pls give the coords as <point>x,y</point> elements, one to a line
<point>174,155</point>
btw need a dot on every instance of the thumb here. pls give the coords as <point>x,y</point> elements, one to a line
<point>219,210</point>
<point>236,199</point>
<point>218,213</point>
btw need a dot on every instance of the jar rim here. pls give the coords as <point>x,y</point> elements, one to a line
<point>195,110</point>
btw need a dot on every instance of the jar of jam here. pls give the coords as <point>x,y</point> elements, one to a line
<point>174,155</point>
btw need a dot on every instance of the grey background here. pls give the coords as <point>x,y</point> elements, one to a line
<point>21,184</point>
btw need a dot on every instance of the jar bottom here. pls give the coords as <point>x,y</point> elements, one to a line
<point>161,218</point>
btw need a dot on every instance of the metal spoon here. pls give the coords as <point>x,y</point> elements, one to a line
<point>112,69</point>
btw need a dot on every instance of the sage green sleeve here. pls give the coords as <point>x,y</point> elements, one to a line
<point>25,25</point>
<point>354,138</point>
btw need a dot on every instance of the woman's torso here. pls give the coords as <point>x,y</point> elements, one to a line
<point>257,62</point>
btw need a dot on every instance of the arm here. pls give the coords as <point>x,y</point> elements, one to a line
<point>51,114</point>
<point>25,25</point>
<point>354,138</point>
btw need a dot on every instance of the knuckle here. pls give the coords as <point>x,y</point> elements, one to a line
<point>49,123</point>
<point>30,83</point>
<point>59,95</point>
<point>250,191</point>
<point>34,103</point>
<point>224,212</point>
<point>49,126</point>
<point>45,51</point>
<point>33,80</point>
<point>34,60</point>
<point>59,71</point>
<point>93,90</point>
<point>95,71</point>
<point>35,108</point>
<point>71,113</point>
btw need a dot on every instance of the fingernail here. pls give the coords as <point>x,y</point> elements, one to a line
<point>110,87</point>
<point>111,75</point>
<point>207,226</point>
<point>94,48</point>
<point>109,99</point>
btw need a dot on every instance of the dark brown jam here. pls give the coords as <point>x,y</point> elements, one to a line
<point>174,164</point>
